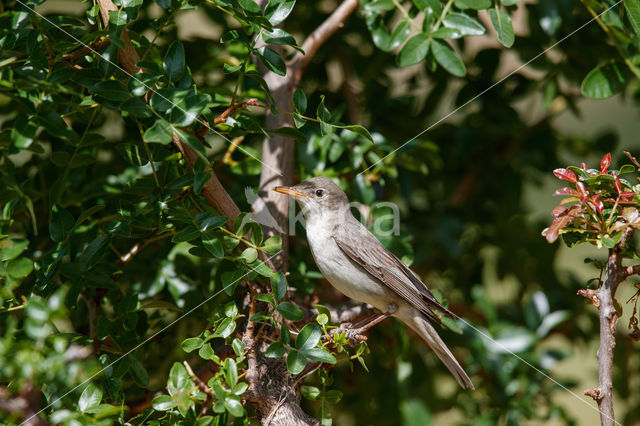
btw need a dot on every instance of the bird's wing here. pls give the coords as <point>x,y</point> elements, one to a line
<point>363,247</point>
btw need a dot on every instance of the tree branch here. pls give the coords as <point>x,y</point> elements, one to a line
<point>317,38</point>
<point>604,300</point>
<point>278,152</point>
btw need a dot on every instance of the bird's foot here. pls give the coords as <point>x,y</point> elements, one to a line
<point>353,335</point>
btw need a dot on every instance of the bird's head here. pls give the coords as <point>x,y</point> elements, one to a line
<point>317,195</point>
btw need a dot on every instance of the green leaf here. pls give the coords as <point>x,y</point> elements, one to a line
<point>94,252</point>
<point>20,268</point>
<point>464,24</point>
<point>633,13</point>
<point>272,60</point>
<point>414,412</point>
<point>473,4</point>
<point>399,34</point>
<point>290,311</point>
<point>279,285</point>
<point>191,344</point>
<point>604,81</point>
<point>259,267</point>
<point>295,362</point>
<point>213,245</point>
<point>193,142</point>
<point>174,61</point>
<point>509,2</point>
<point>309,336</point>
<point>414,51</point>
<point>234,407</point>
<point>610,241</point>
<point>55,125</point>
<point>249,254</point>
<point>110,90</point>
<point>91,397</point>
<point>23,132</point>
<point>275,350</point>
<point>238,347</point>
<point>448,58</point>
<point>187,234</point>
<point>226,327</point>
<point>278,10</point>
<point>208,221</point>
<point>319,354</point>
<point>310,392</point>
<point>61,223</point>
<point>272,245</point>
<point>206,352</point>
<point>299,101</point>
<point>357,129</point>
<point>162,403</point>
<point>502,23</point>
<point>250,7</point>
<point>160,132</point>
<point>230,372</point>
<point>10,249</point>
<point>290,132</point>
<point>280,37</point>
<point>138,372</point>
<point>264,297</point>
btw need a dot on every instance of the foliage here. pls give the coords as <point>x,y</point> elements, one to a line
<point>115,268</point>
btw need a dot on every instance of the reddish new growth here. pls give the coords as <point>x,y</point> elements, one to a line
<point>601,204</point>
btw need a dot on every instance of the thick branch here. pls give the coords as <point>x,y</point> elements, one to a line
<point>278,152</point>
<point>319,36</point>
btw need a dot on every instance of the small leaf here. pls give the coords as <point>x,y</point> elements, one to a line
<point>162,403</point>
<point>310,392</point>
<point>295,362</point>
<point>20,268</point>
<point>448,58</point>
<point>238,347</point>
<point>213,245</point>
<point>633,13</point>
<point>414,51</point>
<point>277,11</point>
<point>275,350</point>
<point>191,344</point>
<point>264,297</point>
<point>502,23</point>
<point>234,407</point>
<point>90,398</point>
<point>279,285</point>
<point>249,254</point>
<point>272,60</point>
<point>160,132</point>
<point>290,311</point>
<point>174,61</point>
<point>299,101</point>
<point>230,372</point>
<point>605,162</point>
<point>61,223</point>
<point>309,336</point>
<point>464,24</point>
<point>94,252</point>
<point>565,174</point>
<point>290,132</point>
<point>272,245</point>
<point>319,354</point>
<point>604,81</point>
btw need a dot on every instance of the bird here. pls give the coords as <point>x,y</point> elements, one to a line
<point>356,263</point>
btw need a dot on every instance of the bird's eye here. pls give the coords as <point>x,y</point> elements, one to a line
<point>320,193</point>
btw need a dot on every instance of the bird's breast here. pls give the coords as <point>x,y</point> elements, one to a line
<point>344,274</point>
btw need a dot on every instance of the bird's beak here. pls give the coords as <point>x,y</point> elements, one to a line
<point>288,191</point>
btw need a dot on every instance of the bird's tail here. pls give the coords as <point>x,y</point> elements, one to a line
<point>421,325</point>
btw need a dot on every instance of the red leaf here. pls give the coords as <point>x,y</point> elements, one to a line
<point>626,194</point>
<point>565,174</point>
<point>617,183</point>
<point>583,166</point>
<point>553,232</point>
<point>582,191</point>
<point>604,163</point>
<point>632,158</point>
<point>566,191</point>
<point>559,211</point>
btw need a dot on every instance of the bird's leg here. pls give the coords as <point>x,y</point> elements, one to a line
<point>354,332</point>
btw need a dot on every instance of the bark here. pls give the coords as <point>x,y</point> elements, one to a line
<point>604,300</point>
<point>278,152</point>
